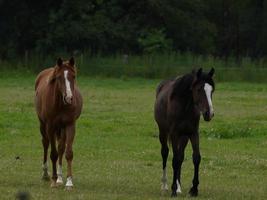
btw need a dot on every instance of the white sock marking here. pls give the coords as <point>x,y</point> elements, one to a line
<point>45,171</point>
<point>179,190</point>
<point>45,167</point>
<point>59,170</point>
<point>164,180</point>
<point>59,175</point>
<point>69,182</point>
<point>208,88</point>
<point>67,83</point>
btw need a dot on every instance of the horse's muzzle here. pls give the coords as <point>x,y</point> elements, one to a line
<point>208,116</point>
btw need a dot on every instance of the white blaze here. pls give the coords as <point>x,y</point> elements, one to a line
<point>67,83</point>
<point>208,89</point>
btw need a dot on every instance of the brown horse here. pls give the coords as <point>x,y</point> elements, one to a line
<point>58,105</point>
<point>178,106</point>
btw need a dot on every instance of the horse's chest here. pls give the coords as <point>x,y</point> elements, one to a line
<point>61,118</point>
<point>187,126</point>
<point>185,123</point>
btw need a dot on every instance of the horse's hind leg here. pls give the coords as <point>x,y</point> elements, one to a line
<point>163,137</point>
<point>61,149</point>
<point>196,160</point>
<point>45,142</point>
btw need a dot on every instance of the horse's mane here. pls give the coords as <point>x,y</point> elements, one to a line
<point>182,85</point>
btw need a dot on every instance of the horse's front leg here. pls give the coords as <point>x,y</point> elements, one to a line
<point>178,147</point>
<point>70,133</point>
<point>54,154</point>
<point>61,150</point>
<point>196,160</point>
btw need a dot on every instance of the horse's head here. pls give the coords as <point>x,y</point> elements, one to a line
<point>202,88</point>
<point>64,79</point>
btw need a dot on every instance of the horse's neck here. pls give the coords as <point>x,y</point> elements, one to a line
<point>56,97</point>
<point>188,102</point>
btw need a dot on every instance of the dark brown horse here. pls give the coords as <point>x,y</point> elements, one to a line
<point>58,105</point>
<point>178,106</point>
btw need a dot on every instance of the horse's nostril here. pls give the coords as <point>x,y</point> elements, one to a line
<point>68,100</point>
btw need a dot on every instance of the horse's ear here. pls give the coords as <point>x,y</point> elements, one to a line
<point>71,61</point>
<point>199,72</point>
<point>211,73</point>
<point>59,62</point>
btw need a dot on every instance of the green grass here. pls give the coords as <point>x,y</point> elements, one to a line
<point>147,66</point>
<point>117,152</point>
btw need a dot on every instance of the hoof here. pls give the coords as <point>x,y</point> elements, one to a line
<point>193,192</point>
<point>59,180</point>
<point>69,182</point>
<point>164,187</point>
<point>46,177</point>
<point>68,188</point>
<point>174,194</point>
<point>53,184</point>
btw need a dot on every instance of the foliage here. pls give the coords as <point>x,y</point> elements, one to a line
<point>154,41</point>
<point>209,27</point>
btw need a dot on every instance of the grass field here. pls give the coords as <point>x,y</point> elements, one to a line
<point>117,152</point>
<point>152,66</point>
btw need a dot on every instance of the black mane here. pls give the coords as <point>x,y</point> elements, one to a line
<point>182,85</point>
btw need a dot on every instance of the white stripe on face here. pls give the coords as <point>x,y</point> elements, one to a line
<point>67,83</point>
<point>208,89</point>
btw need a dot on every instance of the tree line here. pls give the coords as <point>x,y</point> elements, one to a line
<point>220,28</point>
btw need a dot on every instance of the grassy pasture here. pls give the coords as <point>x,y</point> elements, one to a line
<point>116,150</point>
<point>152,66</point>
